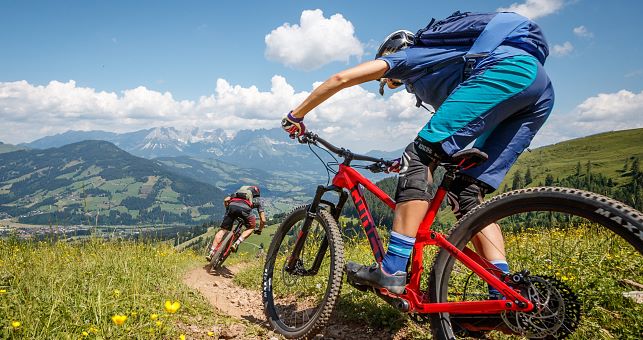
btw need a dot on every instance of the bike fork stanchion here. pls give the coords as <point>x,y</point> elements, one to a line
<point>303,233</point>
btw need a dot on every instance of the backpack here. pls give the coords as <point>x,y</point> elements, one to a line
<point>244,193</point>
<point>484,32</point>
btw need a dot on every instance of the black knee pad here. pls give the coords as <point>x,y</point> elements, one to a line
<point>415,181</point>
<point>465,194</point>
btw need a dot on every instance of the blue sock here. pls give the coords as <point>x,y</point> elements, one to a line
<point>398,253</point>
<point>502,265</point>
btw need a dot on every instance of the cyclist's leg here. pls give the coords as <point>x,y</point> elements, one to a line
<point>504,144</point>
<point>413,194</point>
<point>250,223</point>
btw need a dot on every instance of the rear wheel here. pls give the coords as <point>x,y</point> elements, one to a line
<point>299,302</point>
<point>583,252</point>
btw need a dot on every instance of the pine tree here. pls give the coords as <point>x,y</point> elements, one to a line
<point>528,178</point>
<point>549,180</point>
<point>517,181</point>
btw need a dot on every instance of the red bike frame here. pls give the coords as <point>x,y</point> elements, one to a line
<point>349,178</point>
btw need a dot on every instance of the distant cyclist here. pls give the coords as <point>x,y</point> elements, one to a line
<point>240,205</point>
<point>499,99</point>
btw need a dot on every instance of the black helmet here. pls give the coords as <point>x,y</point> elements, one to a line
<point>395,41</point>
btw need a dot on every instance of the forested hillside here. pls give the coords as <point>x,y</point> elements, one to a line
<point>96,182</point>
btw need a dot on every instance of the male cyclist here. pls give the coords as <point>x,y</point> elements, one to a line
<point>500,101</point>
<point>240,205</point>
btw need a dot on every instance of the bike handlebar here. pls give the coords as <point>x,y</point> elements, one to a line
<point>379,163</point>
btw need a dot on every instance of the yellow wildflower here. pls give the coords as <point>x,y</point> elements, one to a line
<point>210,333</point>
<point>119,319</point>
<point>154,316</point>
<point>85,333</point>
<point>181,337</point>
<point>158,323</point>
<point>172,307</point>
<point>117,293</point>
<point>15,324</point>
<point>93,330</point>
<point>3,291</point>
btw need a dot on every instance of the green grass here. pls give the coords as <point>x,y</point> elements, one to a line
<point>60,290</point>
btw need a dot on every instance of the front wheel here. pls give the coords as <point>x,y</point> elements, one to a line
<point>298,301</point>
<point>222,251</point>
<point>583,252</point>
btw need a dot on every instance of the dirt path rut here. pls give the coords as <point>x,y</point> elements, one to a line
<point>218,288</point>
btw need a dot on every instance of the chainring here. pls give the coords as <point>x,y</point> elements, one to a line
<point>556,312</point>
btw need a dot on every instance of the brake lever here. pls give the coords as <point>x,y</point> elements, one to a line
<point>376,167</point>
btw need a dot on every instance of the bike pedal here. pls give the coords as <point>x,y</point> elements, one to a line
<point>393,300</point>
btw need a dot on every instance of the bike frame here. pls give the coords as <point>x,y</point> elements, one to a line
<point>351,180</point>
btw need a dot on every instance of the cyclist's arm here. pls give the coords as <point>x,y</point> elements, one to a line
<point>370,70</point>
<point>258,204</point>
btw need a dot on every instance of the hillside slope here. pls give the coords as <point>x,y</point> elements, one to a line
<point>4,148</point>
<point>83,179</point>
<point>607,153</point>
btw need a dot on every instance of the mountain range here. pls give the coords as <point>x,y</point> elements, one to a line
<point>264,149</point>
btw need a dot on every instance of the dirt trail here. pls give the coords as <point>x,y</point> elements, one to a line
<point>218,288</point>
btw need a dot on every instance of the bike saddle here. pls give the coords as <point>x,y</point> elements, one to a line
<point>468,158</point>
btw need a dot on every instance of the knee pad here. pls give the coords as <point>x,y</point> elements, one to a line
<point>465,194</point>
<point>415,179</point>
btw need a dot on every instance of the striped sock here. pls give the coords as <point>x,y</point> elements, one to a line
<point>502,265</point>
<point>398,253</point>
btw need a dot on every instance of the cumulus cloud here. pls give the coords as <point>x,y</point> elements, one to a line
<point>604,112</point>
<point>314,42</point>
<point>534,9</point>
<point>583,32</point>
<point>354,117</point>
<point>565,49</point>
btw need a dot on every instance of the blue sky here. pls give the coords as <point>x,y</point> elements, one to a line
<point>126,65</point>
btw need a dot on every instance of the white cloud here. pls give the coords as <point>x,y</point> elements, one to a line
<point>314,42</point>
<point>355,117</point>
<point>601,113</point>
<point>534,9</point>
<point>562,50</point>
<point>582,32</point>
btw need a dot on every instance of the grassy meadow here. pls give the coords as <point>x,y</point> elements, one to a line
<point>100,290</point>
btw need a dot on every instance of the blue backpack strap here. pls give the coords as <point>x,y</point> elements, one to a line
<point>496,31</point>
<point>494,34</point>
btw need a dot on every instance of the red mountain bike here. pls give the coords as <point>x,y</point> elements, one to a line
<point>573,253</point>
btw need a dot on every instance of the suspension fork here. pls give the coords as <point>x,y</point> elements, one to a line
<point>312,211</point>
<point>336,210</point>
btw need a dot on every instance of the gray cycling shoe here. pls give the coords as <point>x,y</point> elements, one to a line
<point>374,276</point>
